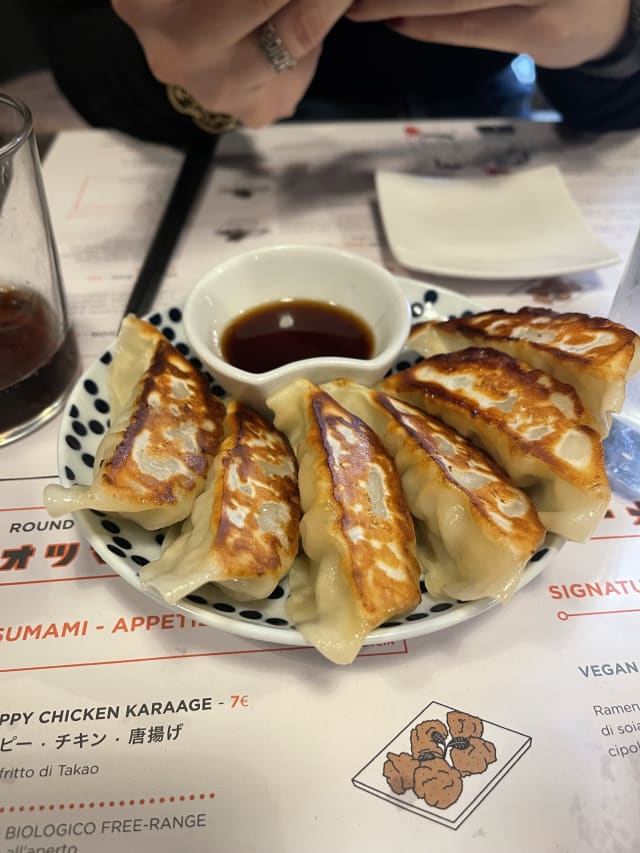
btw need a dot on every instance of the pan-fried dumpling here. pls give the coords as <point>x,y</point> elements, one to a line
<point>356,529</point>
<point>243,532</point>
<point>166,426</point>
<point>475,529</point>
<point>526,420</point>
<point>594,355</point>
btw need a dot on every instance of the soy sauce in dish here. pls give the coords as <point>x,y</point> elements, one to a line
<point>280,332</point>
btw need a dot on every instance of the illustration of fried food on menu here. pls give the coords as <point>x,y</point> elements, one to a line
<point>441,756</point>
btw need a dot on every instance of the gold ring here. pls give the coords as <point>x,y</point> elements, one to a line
<point>210,122</point>
<point>274,49</point>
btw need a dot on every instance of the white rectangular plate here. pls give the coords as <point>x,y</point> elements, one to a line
<point>520,225</point>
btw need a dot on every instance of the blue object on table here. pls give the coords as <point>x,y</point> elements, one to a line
<point>622,457</point>
<point>622,445</point>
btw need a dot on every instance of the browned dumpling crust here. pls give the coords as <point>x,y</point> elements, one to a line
<point>166,426</point>
<point>374,523</point>
<point>475,529</point>
<point>527,421</point>
<point>176,428</point>
<point>256,479</point>
<point>243,532</point>
<point>593,354</point>
<point>356,529</point>
<point>353,454</point>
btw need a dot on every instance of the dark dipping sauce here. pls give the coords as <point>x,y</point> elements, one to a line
<point>36,367</point>
<point>278,333</point>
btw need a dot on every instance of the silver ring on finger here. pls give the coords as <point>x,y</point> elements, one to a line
<point>274,49</point>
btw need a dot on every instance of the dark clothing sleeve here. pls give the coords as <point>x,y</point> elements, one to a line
<point>101,69</point>
<point>593,103</point>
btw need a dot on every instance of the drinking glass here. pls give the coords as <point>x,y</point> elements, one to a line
<point>38,350</point>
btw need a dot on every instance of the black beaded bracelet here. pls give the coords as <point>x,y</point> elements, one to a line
<point>624,60</point>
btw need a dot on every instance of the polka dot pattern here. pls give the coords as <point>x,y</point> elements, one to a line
<point>89,805</point>
<point>126,547</point>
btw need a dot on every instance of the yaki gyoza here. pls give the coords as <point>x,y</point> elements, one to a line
<point>165,429</point>
<point>594,355</point>
<point>361,567</point>
<point>475,530</point>
<point>243,532</point>
<point>527,421</point>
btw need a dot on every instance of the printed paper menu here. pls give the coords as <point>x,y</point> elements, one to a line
<point>261,190</point>
<point>126,725</point>
<point>117,718</point>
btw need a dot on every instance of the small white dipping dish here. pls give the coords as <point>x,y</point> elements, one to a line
<point>295,272</point>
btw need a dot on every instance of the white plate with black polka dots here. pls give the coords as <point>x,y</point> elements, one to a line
<point>126,547</point>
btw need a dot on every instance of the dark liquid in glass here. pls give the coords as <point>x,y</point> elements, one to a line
<point>36,366</point>
<point>281,332</point>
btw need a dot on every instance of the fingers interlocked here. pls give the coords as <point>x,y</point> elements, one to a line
<point>230,55</point>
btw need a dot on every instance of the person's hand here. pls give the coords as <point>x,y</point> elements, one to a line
<point>210,48</point>
<point>555,33</point>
